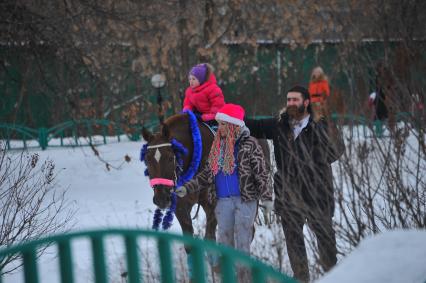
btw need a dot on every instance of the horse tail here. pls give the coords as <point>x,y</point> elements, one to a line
<point>196,213</point>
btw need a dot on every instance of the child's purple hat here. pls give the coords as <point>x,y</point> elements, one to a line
<point>200,72</point>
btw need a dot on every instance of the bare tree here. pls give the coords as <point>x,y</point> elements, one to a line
<point>381,185</point>
<point>30,205</point>
<point>379,181</point>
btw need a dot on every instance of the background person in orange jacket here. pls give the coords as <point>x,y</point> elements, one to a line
<point>319,91</point>
<point>203,96</point>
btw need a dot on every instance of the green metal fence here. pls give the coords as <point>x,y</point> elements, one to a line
<point>228,257</point>
<point>71,130</point>
<point>74,130</point>
<point>369,128</point>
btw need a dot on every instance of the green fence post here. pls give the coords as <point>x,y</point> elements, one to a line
<point>118,132</point>
<point>104,133</point>
<point>24,140</point>
<point>165,261</point>
<point>30,266</point>
<point>99,259</point>
<point>227,269</point>
<point>132,259</point>
<point>74,132</point>
<point>65,262</point>
<point>258,275</point>
<point>42,138</point>
<point>7,138</point>
<point>199,273</point>
<point>378,128</point>
<point>89,130</point>
<point>135,132</point>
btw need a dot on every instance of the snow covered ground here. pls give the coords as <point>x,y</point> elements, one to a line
<point>392,257</point>
<point>122,197</point>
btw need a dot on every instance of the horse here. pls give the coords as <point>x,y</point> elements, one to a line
<point>165,166</point>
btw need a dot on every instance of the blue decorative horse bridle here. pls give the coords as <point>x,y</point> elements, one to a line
<point>180,177</point>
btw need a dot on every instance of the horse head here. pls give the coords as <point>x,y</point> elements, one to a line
<point>172,157</point>
<point>161,163</point>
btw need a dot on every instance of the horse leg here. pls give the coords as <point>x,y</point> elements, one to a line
<point>183,215</point>
<point>210,233</point>
<point>211,221</point>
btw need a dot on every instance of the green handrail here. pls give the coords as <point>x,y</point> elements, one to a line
<point>69,129</point>
<point>25,133</point>
<point>228,257</point>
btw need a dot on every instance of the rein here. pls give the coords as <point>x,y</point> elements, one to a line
<point>181,178</point>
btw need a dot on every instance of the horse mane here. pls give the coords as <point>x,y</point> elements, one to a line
<point>176,123</point>
<point>176,119</point>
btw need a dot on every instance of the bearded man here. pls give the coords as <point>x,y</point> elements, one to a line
<point>304,149</point>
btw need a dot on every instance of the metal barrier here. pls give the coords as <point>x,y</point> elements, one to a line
<point>88,129</point>
<point>72,130</point>
<point>228,257</point>
<point>370,128</point>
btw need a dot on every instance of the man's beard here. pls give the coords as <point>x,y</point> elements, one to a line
<point>296,112</point>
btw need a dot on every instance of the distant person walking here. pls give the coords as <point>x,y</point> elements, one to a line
<point>319,91</point>
<point>380,100</point>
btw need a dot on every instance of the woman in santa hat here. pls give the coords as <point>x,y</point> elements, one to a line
<point>236,165</point>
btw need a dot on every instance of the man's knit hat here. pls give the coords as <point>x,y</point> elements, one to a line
<point>231,113</point>
<point>200,72</point>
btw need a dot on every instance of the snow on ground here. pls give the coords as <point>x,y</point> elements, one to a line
<point>119,197</point>
<point>122,197</point>
<point>391,257</point>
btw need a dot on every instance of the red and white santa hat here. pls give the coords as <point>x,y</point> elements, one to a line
<point>231,113</point>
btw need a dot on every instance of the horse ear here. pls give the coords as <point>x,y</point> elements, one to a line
<point>147,135</point>
<point>165,131</point>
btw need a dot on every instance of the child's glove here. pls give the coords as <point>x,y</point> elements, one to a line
<point>181,191</point>
<point>267,206</point>
<point>208,117</point>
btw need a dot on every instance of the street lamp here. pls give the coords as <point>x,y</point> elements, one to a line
<point>158,81</point>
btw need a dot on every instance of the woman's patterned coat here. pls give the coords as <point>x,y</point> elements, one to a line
<point>252,172</point>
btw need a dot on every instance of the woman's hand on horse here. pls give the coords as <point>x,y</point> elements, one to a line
<point>181,191</point>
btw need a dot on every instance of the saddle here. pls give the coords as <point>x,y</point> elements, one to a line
<point>212,127</point>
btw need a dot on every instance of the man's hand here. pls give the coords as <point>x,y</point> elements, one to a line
<point>181,191</point>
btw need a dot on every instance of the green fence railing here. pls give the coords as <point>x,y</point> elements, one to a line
<point>228,257</point>
<point>369,127</point>
<point>74,130</point>
<point>71,130</point>
<point>377,127</point>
